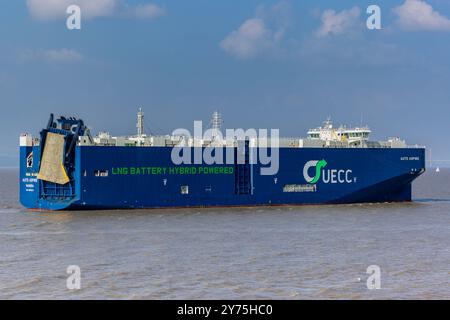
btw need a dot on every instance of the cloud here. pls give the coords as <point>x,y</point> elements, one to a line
<point>63,55</point>
<point>416,15</point>
<point>252,37</point>
<point>90,9</point>
<point>56,9</point>
<point>147,11</point>
<point>336,23</point>
<point>258,34</point>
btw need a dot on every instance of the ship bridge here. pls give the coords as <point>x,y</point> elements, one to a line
<point>353,136</point>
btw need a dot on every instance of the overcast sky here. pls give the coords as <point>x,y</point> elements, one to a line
<point>263,64</point>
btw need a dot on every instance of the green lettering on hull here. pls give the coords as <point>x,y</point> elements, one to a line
<point>140,171</point>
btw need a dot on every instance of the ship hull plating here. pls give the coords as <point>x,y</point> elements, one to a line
<point>141,177</point>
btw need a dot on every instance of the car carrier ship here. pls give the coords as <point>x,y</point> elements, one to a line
<point>67,168</point>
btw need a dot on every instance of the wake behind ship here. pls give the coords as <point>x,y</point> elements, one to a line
<point>68,168</point>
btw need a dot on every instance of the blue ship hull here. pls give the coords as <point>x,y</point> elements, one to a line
<point>145,177</point>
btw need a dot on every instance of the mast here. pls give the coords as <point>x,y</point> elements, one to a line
<point>216,123</point>
<point>140,123</point>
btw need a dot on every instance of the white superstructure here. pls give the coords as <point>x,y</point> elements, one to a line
<point>322,137</point>
<point>353,136</point>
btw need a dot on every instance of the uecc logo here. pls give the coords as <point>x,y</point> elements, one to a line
<point>313,163</point>
<point>327,176</point>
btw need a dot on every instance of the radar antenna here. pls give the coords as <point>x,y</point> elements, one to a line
<point>328,124</point>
